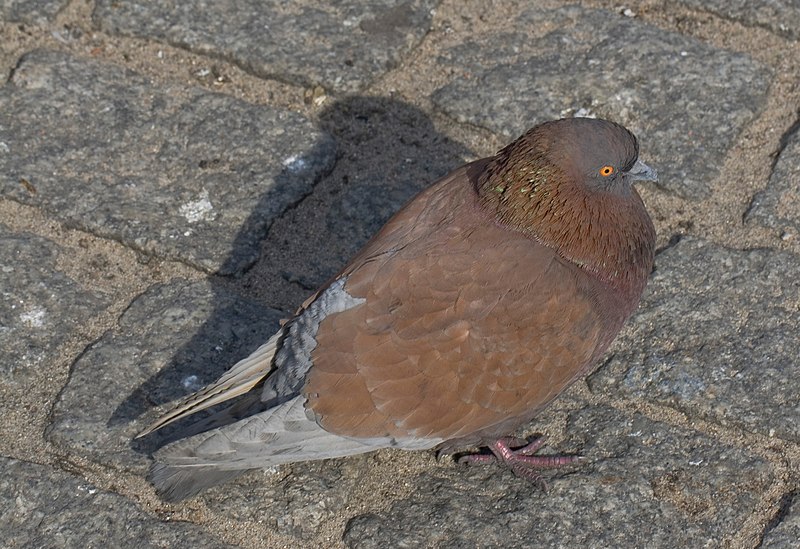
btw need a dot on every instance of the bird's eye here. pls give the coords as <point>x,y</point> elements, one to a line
<point>605,171</point>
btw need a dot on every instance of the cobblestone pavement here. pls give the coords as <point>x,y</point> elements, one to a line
<point>177,176</point>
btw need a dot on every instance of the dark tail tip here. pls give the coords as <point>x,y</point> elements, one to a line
<point>175,483</point>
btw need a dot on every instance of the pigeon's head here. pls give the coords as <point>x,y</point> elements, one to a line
<point>568,183</point>
<point>601,154</point>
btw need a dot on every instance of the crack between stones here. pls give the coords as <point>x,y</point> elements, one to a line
<point>782,511</point>
<point>783,142</point>
<point>47,434</point>
<point>14,69</point>
<point>673,241</point>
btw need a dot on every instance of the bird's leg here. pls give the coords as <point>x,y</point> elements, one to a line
<point>518,455</point>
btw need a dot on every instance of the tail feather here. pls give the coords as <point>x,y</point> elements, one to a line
<point>176,483</point>
<point>283,434</point>
<point>242,377</point>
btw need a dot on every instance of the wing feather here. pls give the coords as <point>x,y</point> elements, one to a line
<point>241,378</point>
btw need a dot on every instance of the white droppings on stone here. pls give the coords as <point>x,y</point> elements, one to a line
<point>583,112</point>
<point>295,163</point>
<point>88,488</point>
<point>4,147</point>
<point>33,317</point>
<point>198,210</point>
<point>60,37</point>
<point>191,383</point>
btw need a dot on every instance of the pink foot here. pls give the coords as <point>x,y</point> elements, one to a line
<point>518,455</point>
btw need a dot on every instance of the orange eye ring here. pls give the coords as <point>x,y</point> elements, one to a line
<point>605,171</point>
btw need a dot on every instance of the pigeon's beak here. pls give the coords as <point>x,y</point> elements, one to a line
<point>642,172</point>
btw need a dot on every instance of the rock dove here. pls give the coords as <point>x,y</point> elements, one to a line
<point>476,304</point>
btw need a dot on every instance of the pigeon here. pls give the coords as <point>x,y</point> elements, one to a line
<point>471,309</point>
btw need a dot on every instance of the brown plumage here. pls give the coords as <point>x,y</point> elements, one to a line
<point>469,311</point>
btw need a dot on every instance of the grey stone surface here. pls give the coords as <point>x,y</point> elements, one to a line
<point>40,306</point>
<point>341,45</point>
<point>716,337</point>
<point>778,206</point>
<point>87,144</point>
<point>172,340</point>
<point>43,507</point>
<point>646,484</point>
<point>389,151</point>
<point>294,500</point>
<point>685,99</point>
<point>786,533</point>
<point>178,172</point>
<point>781,16</point>
<point>30,11</point>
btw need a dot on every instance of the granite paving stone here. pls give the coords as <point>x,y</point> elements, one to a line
<point>781,16</point>
<point>388,150</point>
<point>43,507</point>
<point>171,341</point>
<point>241,200</point>
<point>785,533</point>
<point>715,337</point>
<point>295,500</point>
<point>32,12</point>
<point>646,484</point>
<point>685,99</point>
<point>394,152</point>
<point>174,171</point>
<point>40,306</point>
<point>778,206</point>
<point>342,45</point>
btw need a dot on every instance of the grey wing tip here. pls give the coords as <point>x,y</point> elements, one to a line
<point>174,483</point>
<point>146,431</point>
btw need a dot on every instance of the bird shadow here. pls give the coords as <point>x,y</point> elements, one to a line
<point>387,151</point>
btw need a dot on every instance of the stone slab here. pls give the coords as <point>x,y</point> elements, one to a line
<point>388,151</point>
<point>780,16</point>
<point>646,484</point>
<point>40,306</point>
<point>715,337</point>
<point>341,45</point>
<point>686,100</point>
<point>172,340</point>
<point>295,500</point>
<point>32,12</point>
<point>177,172</point>
<point>778,206</point>
<point>785,533</point>
<point>43,507</point>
